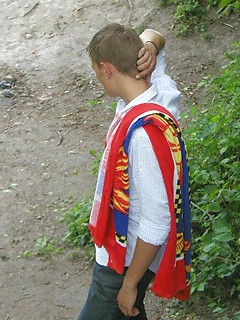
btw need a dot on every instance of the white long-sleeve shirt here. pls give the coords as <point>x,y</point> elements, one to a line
<point>149,216</point>
<point>163,90</point>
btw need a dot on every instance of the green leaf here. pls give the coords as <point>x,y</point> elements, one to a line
<point>221,225</point>
<point>225,161</point>
<point>222,150</point>
<point>224,237</point>
<point>218,310</point>
<point>201,287</point>
<point>214,207</point>
<point>224,3</point>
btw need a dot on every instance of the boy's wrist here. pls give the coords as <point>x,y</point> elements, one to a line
<point>154,37</point>
<point>129,284</point>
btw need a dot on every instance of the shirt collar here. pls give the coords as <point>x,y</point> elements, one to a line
<point>146,96</point>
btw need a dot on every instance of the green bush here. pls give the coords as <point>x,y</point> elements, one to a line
<point>213,142</point>
<point>190,15</point>
<point>76,220</point>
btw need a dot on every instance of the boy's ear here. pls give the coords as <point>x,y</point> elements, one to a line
<point>107,68</point>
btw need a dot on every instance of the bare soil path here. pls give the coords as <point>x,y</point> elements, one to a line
<point>48,127</point>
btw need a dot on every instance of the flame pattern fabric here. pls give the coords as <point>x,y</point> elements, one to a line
<point>109,217</point>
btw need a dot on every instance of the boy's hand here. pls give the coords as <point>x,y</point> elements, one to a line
<point>126,299</point>
<point>146,61</point>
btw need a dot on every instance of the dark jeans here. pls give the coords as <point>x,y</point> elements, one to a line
<point>101,302</point>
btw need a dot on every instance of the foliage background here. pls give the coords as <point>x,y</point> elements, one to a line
<point>190,15</point>
<point>212,138</point>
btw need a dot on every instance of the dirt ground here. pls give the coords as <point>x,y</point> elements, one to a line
<point>48,125</point>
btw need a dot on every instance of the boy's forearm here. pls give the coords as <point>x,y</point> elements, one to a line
<point>144,254</point>
<point>143,257</point>
<point>154,37</point>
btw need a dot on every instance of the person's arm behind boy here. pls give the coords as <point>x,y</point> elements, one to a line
<point>153,43</point>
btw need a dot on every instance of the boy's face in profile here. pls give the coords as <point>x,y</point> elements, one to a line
<point>99,72</point>
<point>102,74</point>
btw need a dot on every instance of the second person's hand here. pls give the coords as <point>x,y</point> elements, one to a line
<point>146,61</point>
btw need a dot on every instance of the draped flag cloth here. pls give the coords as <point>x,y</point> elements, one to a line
<point>109,217</point>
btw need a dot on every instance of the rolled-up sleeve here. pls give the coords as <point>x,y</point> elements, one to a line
<point>148,190</point>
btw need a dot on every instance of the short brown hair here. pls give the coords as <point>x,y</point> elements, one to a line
<point>118,45</point>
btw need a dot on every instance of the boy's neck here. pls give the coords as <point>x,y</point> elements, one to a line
<point>130,88</point>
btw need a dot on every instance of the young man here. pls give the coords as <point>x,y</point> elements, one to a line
<point>133,221</point>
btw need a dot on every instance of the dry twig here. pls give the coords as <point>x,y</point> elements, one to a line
<point>131,8</point>
<point>8,120</point>
<point>61,138</point>
<point>31,9</point>
<point>229,25</point>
